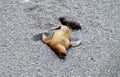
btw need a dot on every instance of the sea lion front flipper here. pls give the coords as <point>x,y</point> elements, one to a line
<point>78,42</point>
<point>45,39</point>
<point>74,44</point>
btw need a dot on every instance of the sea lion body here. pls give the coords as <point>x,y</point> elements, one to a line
<point>60,41</point>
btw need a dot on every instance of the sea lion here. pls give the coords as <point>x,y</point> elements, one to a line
<point>72,24</point>
<point>60,41</point>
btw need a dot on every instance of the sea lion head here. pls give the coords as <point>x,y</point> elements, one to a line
<point>61,18</point>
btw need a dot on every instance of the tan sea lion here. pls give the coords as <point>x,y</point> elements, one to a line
<point>60,41</point>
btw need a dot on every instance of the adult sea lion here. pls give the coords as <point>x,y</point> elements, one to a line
<point>60,41</point>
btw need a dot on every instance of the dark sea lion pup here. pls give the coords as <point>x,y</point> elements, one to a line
<point>60,41</point>
<point>70,23</point>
